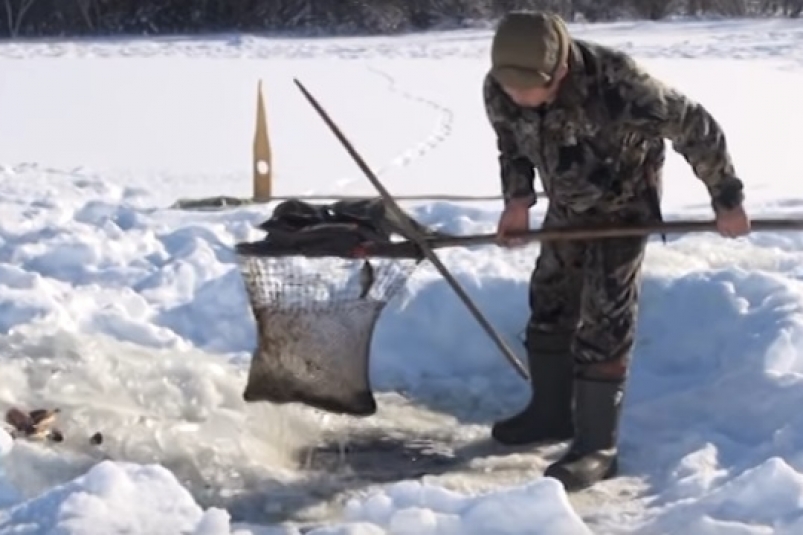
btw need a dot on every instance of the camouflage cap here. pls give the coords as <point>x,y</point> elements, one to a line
<point>528,48</point>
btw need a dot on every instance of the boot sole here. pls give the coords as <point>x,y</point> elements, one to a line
<point>532,442</point>
<point>571,483</point>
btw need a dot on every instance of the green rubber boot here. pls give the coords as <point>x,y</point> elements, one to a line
<point>593,454</point>
<point>548,415</point>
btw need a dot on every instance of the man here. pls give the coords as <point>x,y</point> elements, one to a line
<point>593,124</point>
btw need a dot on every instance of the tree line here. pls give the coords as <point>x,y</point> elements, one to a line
<point>76,18</point>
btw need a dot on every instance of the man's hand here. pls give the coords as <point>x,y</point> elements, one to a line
<point>515,219</point>
<point>733,223</point>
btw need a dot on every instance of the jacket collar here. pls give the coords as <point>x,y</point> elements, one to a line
<point>574,87</point>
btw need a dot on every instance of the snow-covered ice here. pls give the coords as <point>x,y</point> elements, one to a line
<point>132,318</point>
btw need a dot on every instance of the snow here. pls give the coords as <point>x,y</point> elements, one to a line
<point>132,319</point>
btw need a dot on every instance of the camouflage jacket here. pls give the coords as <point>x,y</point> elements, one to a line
<point>600,145</point>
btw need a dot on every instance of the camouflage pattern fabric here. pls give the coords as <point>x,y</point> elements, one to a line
<point>588,289</point>
<point>593,147</point>
<point>599,150</point>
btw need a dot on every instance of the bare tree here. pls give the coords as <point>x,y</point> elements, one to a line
<point>653,9</point>
<point>793,8</point>
<point>727,8</point>
<point>15,14</point>
<point>89,12</point>
<point>73,17</point>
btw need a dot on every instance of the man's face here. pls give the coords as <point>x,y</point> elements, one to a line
<point>531,97</point>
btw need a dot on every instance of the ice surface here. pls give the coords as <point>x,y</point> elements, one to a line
<point>133,320</point>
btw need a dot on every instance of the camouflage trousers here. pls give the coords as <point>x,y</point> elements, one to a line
<point>589,290</point>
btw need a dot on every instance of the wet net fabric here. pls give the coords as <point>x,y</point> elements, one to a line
<point>316,303</point>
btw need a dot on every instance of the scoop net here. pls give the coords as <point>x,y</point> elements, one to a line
<point>316,295</point>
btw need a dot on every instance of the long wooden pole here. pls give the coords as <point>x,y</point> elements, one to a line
<point>412,235</point>
<point>683,226</point>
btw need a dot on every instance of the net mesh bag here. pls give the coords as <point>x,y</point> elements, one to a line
<point>316,298</point>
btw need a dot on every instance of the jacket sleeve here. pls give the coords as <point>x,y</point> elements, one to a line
<point>644,103</point>
<point>516,170</point>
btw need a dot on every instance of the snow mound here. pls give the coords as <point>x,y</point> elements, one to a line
<point>148,499</point>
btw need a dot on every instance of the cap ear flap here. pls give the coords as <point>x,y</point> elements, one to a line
<point>563,47</point>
